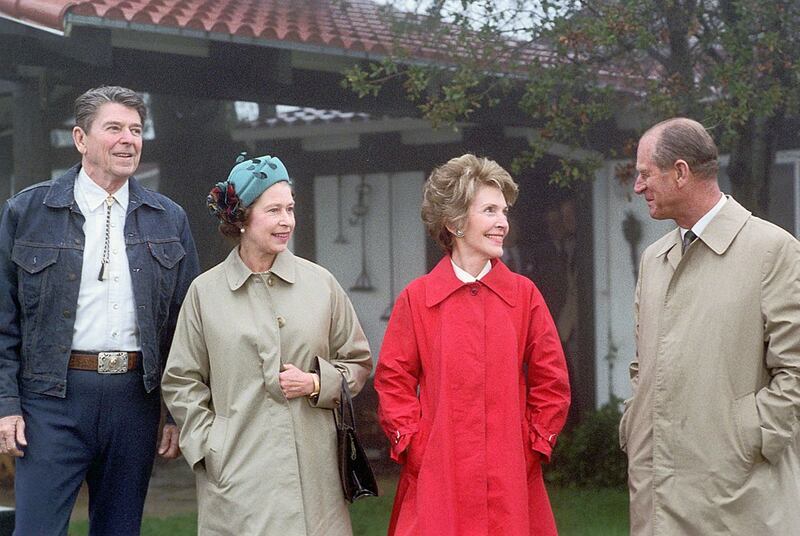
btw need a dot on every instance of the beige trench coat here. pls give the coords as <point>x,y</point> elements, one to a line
<point>264,465</point>
<point>712,432</point>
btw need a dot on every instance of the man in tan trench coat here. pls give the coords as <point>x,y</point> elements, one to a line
<point>712,431</point>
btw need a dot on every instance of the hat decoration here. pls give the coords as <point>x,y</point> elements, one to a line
<point>246,182</point>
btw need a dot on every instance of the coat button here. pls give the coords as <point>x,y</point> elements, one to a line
<point>281,321</point>
<point>71,277</point>
<point>270,280</point>
<point>67,313</point>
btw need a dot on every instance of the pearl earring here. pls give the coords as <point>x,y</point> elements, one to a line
<point>241,230</point>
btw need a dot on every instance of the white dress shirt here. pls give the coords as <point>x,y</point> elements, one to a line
<point>106,315</point>
<point>465,276</point>
<point>703,222</point>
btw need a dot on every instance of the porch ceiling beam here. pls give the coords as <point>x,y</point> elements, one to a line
<point>557,149</point>
<point>373,126</point>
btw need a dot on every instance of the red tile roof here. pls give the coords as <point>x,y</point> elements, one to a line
<point>45,13</point>
<point>353,25</point>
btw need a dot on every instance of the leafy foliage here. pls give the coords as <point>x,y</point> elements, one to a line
<point>577,67</point>
<point>589,454</point>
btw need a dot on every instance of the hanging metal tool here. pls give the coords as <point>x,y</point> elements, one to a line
<point>360,210</point>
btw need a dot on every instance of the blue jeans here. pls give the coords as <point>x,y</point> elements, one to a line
<point>104,432</point>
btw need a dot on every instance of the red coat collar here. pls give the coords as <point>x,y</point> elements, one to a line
<point>442,281</point>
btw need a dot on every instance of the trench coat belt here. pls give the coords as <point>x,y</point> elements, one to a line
<point>87,361</point>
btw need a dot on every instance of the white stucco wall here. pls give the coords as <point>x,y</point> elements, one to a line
<point>344,260</point>
<point>614,278</point>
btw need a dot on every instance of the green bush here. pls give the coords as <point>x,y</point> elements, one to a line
<point>588,455</point>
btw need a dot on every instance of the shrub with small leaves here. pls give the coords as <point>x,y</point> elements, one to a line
<point>588,455</point>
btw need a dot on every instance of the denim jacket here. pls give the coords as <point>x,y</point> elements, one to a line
<point>41,253</point>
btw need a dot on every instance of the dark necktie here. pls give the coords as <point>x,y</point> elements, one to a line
<point>688,238</point>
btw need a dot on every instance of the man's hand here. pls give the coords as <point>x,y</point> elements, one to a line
<point>168,448</point>
<point>12,435</point>
<point>294,382</point>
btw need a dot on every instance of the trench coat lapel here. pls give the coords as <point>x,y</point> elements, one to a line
<point>442,281</point>
<point>285,266</point>
<point>237,272</point>
<point>500,281</point>
<point>718,236</point>
<point>722,230</point>
<point>672,249</point>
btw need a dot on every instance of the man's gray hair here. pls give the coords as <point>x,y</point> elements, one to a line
<point>87,104</point>
<point>681,138</point>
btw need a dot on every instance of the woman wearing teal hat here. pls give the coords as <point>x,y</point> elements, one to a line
<point>262,342</point>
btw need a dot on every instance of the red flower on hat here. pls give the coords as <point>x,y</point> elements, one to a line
<point>223,202</point>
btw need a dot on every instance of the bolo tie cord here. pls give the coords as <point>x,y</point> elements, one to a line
<point>106,246</point>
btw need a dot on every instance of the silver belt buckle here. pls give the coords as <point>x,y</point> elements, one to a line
<point>112,362</point>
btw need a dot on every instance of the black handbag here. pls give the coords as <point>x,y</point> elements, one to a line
<point>358,480</point>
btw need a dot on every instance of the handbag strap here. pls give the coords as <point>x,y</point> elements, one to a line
<point>345,403</point>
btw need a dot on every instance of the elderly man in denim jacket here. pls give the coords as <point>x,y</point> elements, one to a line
<point>93,270</point>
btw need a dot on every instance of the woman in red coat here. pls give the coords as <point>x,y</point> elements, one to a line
<point>471,378</point>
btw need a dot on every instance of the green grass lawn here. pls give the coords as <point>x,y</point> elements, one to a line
<point>585,512</point>
<point>180,525</point>
<point>579,512</point>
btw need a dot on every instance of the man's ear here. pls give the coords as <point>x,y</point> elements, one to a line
<point>682,172</point>
<point>79,138</point>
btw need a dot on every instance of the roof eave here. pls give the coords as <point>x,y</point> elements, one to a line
<point>72,20</point>
<point>33,25</point>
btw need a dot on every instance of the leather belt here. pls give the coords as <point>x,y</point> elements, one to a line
<point>104,362</point>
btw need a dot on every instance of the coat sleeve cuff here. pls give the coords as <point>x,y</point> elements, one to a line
<point>773,445</point>
<point>168,418</point>
<point>543,441</point>
<point>193,446</point>
<point>330,385</point>
<point>193,454</point>
<point>623,426</point>
<point>10,405</point>
<point>400,441</point>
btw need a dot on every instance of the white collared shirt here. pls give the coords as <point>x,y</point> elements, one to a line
<point>703,222</point>
<point>106,315</point>
<point>465,276</point>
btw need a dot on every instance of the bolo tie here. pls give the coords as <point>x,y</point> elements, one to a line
<point>105,261</point>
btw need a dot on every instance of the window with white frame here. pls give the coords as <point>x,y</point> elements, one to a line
<point>784,189</point>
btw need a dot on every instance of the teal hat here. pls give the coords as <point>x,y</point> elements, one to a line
<point>251,177</point>
<point>246,182</point>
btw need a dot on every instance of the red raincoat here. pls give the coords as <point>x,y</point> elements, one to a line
<point>493,396</point>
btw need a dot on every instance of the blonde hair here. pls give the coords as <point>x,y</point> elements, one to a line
<point>451,188</point>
